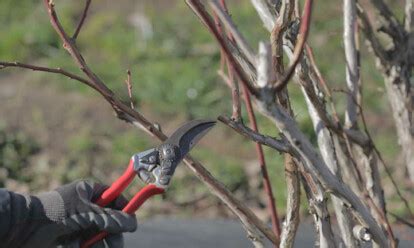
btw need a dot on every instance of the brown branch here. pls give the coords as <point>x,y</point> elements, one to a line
<point>379,211</point>
<point>277,144</point>
<point>124,112</point>
<point>46,69</point>
<point>322,82</point>
<point>199,10</point>
<point>276,37</point>
<point>235,93</point>
<point>232,81</point>
<point>386,168</point>
<point>263,167</point>
<point>368,30</point>
<point>238,38</point>
<point>402,220</point>
<point>82,20</point>
<point>235,36</point>
<point>70,46</point>
<point>291,223</point>
<point>129,87</point>
<point>297,52</point>
<point>318,207</point>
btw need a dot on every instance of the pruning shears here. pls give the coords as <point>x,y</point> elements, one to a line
<point>155,167</point>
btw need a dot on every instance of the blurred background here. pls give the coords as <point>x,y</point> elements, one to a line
<point>54,130</point>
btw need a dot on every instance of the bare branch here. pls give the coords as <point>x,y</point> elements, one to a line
<point>199,10</point>
<point>329,155</point>
<point>409,16</point>
<point>264,64</point>
<point>313,163</point>
<point>390,23</point>
<point>235,94</point>
<point>318,207</point>
<point>47,69</point>
<point>232,29</point>
<point>70,46</point>
<point>240,128</point>
<point>259,151</point>
<point>129,87</point>
<point>276,38</point>
<point>232,80</point>
<point>247,217</point>
<point>263,167</point>
<point>368,30</point>
<point>352,64</point>
<point>303,149</point>
<point>268,18</point>
<point>82,20</point>
<point>402,220</point>
<point>297,52</point>
<point>291,223</point>
<point>386,168</point>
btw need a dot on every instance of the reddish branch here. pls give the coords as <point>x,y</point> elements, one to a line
<point>300,43</point>
<point>247,217</point>
<point>263,167</point>
<point>199,10</point>
<point>233,84</point>
<point>252,120</point>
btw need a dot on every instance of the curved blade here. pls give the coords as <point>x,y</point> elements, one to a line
<point>174,149</point>
<point>189,134</point>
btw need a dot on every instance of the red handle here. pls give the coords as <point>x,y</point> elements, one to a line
<point>118,186</point>
<point>130,208</point>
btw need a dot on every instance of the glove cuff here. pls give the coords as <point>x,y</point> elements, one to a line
<point>53,205</point>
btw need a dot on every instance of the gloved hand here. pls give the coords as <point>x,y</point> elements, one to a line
<point>73,217</point>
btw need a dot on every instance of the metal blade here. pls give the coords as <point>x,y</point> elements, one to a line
<point>188,135</point>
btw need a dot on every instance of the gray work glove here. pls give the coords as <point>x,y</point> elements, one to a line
<point>73,217</point>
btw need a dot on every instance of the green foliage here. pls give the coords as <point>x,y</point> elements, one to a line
<point>21,36</point>
<point>15,150</point>
<point>125,145</point>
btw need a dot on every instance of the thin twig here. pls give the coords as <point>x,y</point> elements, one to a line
<point>291,223</point>
<point>297,52</point>
<point>279,145</point>
<point>233,83</point>
<point>386,168</point>
<point>234,31</point>
<point>380,211</point>
<point>368,30</point>
<point>276,38</point>
<point>253,123</point>
<point>129,87</point>
<point>82,20</point>
<point>199,10</point>
<point>263,167</point>
<point>47,69</point>
<point>124,112</point>
<point>402,220</point>
<point>390,23</point>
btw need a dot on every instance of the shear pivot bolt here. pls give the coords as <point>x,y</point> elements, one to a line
<point>152,159</point>
<point>164,180</point>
